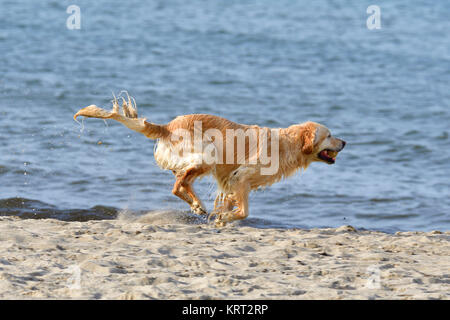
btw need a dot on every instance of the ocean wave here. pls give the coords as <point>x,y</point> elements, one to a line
<point>35,209</point>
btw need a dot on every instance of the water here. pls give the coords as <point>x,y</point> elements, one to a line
<point>272,63</point>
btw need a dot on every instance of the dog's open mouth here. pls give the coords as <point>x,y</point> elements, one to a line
<point>329,156</point>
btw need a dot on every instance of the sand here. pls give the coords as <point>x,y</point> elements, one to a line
<point>161,256</point>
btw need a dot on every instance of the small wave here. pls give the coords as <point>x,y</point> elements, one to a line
<point>374,142</point>
<point>20,203</point>
<point>267,224</point>
<point>3,169</point>
<point>391,199</point>
<point>412,133</point>
<point>383,216</point>
<point>443,136</point>
<point>221,82</point>
<point>35,209</point>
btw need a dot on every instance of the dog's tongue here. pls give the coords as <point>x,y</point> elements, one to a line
<point>324,153</point>
<point>329,154</point>
<point>332,154</point>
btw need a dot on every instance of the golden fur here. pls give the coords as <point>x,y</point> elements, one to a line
<point>298,146</point>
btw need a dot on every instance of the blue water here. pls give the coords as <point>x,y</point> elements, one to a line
<point>271,63</point>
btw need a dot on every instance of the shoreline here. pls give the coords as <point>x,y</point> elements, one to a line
<point>154,257</point>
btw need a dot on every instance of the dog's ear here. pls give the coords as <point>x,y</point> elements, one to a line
<point>308,134</point>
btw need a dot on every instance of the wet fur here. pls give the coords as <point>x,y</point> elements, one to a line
<point>298,146</point>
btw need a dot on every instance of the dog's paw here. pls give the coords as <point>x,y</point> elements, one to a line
<point>224,217</point>
<point>198,209</point>
<point>219,223</point>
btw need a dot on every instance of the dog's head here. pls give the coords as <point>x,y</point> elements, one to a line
<point>318,143</point>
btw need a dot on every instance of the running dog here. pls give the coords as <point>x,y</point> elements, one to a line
<point>236,155</point>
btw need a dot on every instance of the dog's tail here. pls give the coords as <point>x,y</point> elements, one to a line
<point>128,118</point>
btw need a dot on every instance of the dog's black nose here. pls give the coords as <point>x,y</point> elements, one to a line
<point>343,144</point>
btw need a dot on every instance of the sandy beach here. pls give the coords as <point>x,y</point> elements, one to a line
<point>161,256</point>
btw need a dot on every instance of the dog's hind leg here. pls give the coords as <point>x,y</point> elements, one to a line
<point>223,202</point>
<point>180,191</point>
<point>183,188</point>
<point>240,198</point>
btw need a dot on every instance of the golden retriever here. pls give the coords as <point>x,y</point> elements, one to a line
<point>236,155</point>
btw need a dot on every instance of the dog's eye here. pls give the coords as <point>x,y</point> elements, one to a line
<point>329,135</point>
